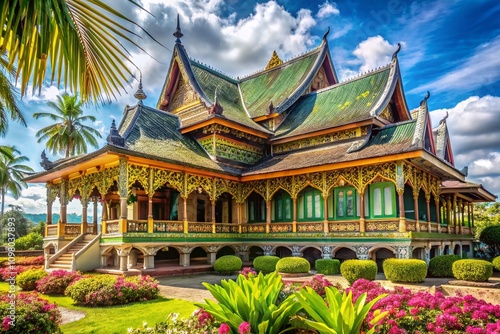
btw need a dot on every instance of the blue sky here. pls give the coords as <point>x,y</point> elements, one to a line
<point>451,48</point>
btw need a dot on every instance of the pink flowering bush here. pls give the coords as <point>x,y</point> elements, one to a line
<point>57,281</point>
<point>318,283</point>
<point>7,273</point>
<point>106,290</point>
<point>423,312</point>
<point>247,271</point>
<point>32,315</point>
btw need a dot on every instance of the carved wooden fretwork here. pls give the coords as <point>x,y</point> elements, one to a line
<point>274,61</point>
<point>139,174</point>
<point>317,140</point>
<point>183,95</point>
<point>52,192</point>
<point>171,178</point>
<point>387,114</point>
<point>226,186</point>
<point>319,80</point>
<point>284,183</point>
<point>205,183</point>
<point>218,128</point>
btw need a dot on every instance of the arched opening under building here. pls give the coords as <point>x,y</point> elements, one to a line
<point>345,253</point>
<point>135,258</point>
<point>381,255</point>
<point>282,252</point>
<point>198,256</point>
<point>166,256</point>
<point>255,251</point>
<point>226,250</point>
<point>311,254</point>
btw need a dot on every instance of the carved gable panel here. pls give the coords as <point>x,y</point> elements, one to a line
<point>183,95</point>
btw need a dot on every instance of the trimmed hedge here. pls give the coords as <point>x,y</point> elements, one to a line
<point>496,263</point>
<point>353,270</point>
<point>441,265</point>
<point>293,265</point>
<point>228,264</point>
<point>265,263</point>
<point>27,279</point>
<point>327,266</point>
<point>472,270</point>
<point>405,270</point>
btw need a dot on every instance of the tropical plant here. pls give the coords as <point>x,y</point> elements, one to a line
<point>250,300</point>
<point>337,313</point>
<point>12,173</point>
<point>491,237</point>
<point>68,135</point>
<point>81,42</point>
<point>23,226</point>
<point>8,101</point>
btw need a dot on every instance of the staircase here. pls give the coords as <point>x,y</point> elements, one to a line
<point>65,260</point>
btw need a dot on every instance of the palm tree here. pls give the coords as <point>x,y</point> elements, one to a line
<point>8,102</point>
<point>81,42</point>
<point>12,173</point>
<point>68,135</point>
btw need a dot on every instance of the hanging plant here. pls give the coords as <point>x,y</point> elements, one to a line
<point>131,199</point>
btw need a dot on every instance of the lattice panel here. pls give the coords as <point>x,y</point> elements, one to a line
<point>386,171</point>
<point>302,181</point>
<point>195,181</point>
<point>314,141</point>
<point>52,192</point>
<point>103,180</point>
<point>332,178</point>
<point>223,186</point>
<point>139,174</point>
<point>351,175</point>
<point>284,183</point>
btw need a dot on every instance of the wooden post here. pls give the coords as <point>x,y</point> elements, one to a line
<point>362,224</point>
<point>402,219</point>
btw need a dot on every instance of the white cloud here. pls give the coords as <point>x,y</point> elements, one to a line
<point>480,70</point>
<point>473,126</point>
<point>48,93</point>
<point>327,9</point>
<point>373,52</point>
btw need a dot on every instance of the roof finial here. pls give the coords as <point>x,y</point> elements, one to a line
<point>395,54</point>
<point>139,94</point>
<point>444,118</point>
<point>326,33</point>
<point>425,98</point>
<point>114,137</point>
<point>274,61</point>
<point>178,34</point>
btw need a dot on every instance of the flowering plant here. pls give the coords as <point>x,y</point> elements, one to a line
<point>57,281</point>
<point>200,322</point>
<point>247,271</point>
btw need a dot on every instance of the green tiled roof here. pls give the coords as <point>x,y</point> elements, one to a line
<point>392,139</point>
<point>341,104</point>
<point>227,95</point>
<point>276,84</point>
<point>155,133</point>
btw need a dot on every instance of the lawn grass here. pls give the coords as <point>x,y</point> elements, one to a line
<point>117,319</point>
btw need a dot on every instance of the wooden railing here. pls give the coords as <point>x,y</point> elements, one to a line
<point>315,227</point>
<point>199,227</point>
<point>137,226</point>
<point>226,228</point>
<point>112,227</point>
<point>171,226</point>
<point>51,230</point>
<point>72,229</point>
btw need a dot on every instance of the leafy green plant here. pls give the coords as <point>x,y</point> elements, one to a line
<point>440,266</point>
<point>327,266</point>
<point>353,270</point>
<point>27,279</point>
<point>265,263</point>
<point>251,300</point>
<point>33,240</point>
<point>472,270</point>
<point>228,264</point>
<point>405,270</point>
<point>293,265</point>
<point>338,314</point>
<point>496,263</point>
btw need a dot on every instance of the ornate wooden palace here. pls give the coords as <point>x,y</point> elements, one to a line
<point>286,161</point>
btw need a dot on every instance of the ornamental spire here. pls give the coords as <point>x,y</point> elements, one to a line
<point>139,94</point>
<point>395,54</point>
<point>178,34</point>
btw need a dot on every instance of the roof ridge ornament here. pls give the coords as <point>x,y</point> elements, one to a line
<point>425,98</point>
<point>270,109</point>
<point>216,108</point>
<point>46,163</point>
<point>274,61</point>
<point>395,54</point>
<point>178,33</point>
<point>139,94</point>
<point>114,137</point>
<point>443,121</point>
<point>326,33</point>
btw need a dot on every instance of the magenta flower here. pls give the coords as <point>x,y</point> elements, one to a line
<point>244,328</point>
<point>224,329</point>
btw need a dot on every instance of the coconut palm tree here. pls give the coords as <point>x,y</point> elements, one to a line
<point>68,135</point>
<point>12,173</point>
<point>80,42</point>
<point>8,102</point>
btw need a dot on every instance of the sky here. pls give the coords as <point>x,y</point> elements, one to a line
<point>449,47</point>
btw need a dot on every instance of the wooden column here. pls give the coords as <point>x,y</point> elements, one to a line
<point>438,214</point>
<point>402,218</point>
<point>325,213</point>
<point>213,216</point>
<point>428,213</point>
<point>268,216</point>
<point>94,216</point>
<point>84,225</point>
<point>150,213</point>
<point>454,210</point>
<point>49,205</point>
<point>448,214</point>
<point>185,215</point>
<point>415,210</point>
<point>362,225</point>
<point>63,200</point>
<point>294,222</point>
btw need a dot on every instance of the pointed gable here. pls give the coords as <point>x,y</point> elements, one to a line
<point>423,137</point>
<point>442,142</point>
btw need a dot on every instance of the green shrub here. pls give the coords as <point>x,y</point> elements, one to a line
<point>440,266</point>
<point>472,270</point>
<point>32,315</point>
<point>265,263</point>
<point>27,279</point>
<point>353,270</point>
<point>405,270</point>
<point>106,290</point>
<point>293,265</point>
<point>32,240</point>
<point>496,263</point>
<point>327,266</point>
<point>228,264</point>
